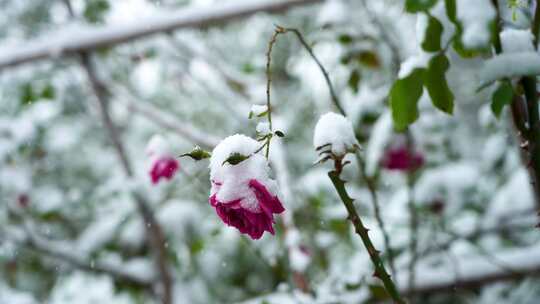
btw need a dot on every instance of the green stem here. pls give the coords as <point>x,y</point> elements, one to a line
<point>369,183</point>
<point>362,231</point>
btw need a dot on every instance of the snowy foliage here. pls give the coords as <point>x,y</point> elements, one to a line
<point>72,232</point>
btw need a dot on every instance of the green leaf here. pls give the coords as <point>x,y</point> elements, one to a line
<point>27,95</point>
<point>432,39</point>
<point>369,59</point>
<point>95,10</point>
<point>436,85</point>
<point>235,159</point>
<point>378,292</point>
<point>197,154</point>
<point>354,80</point>
<point>501,97</point>
<point>48,92</point>
<point>404,97</point>
<point>415,6</point>
<point>345,38</point>
<point>451,10</point>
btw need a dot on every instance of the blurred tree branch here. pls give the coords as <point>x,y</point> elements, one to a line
<point>168,121</point>
<point>154,231</point>
<point>474,275</point>
<point>97,38</point>
<point>64,253</point>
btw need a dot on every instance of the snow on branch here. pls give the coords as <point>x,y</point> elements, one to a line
<point>63,252</point>
<point>475,271</point>
<point>70,42</point>
<point>510,65</point>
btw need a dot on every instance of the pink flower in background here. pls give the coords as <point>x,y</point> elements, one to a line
<point>243,195</point>
<point>23,200</point>
<point>402,159</point>
<point>162,163</point>
<point>164,167</point>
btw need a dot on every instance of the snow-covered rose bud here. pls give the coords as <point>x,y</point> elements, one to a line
<point>334,134</point>
<point>402,159</point>
<point>162,163</point>
<point>243,194</point>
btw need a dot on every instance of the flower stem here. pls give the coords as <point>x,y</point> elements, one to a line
<point>273,39</point>
<point>362,231</point>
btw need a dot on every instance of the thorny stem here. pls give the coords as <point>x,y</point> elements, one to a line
<point>335,100</point>
<point>380,272</point>
<point>367,180</point>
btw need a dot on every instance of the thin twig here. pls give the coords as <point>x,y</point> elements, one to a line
<point>337,104</point>
<point>308,48</point>
<point>46,247</point>
<point>377,212</point>
<point>154,231</point>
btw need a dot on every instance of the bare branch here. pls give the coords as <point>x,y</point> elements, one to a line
<point>153,229</point>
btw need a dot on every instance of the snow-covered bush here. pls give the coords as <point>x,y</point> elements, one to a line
<point>419,184</point>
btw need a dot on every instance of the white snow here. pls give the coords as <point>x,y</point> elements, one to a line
<point>235,179</point>
<point>337,131</point>
<point>516,41</point>
<point>263,128</point>
<point>258,109</point>
<point>475,17</point>
<point>414,62</point>
<point>510,65</point>
<point>146,77</point>
<point>158,146</point>
<point>78,37</point>
<point>380,136</point>
<point>298,259</point>
<point>474,266</point>
<point>97,289</point>
<point>451,179</point>
<point>422,21</point>
<point>516,194</point>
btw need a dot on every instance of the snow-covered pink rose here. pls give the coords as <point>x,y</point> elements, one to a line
<point>162,163</point>
<point>335,133</point>
<point>243,195</point>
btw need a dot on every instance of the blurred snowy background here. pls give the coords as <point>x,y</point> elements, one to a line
<point>71,230</point>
